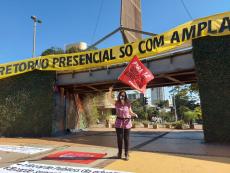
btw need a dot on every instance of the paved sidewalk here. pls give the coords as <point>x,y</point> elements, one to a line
<point>147,162</point>
<point>187,142</point>
<point>161,150</point>
<point>94,140</point>
<point>180,151</point>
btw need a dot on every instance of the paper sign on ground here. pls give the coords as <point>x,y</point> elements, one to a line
<point>43,168</point>
<point>23,149</point>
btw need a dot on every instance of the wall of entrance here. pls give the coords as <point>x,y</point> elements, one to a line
<point>27,104</point>
<point>212,62</point>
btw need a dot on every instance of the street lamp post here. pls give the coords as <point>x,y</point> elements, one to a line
<point>34,18</point>
<point>174,106</point>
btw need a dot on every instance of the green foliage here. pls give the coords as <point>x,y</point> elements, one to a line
<point>184,100</point>
<point>56,50</point>
<point>136,124</point>
<point>52,51</point>
<point>73,49</point>
<point>106,114</point>
<point>198,112</point>
<point>190,116</point>
<point>152,111</point>
<point>178,124</point>
<point>145,123</point>
<point>26,104</point>
<point>166,116</point>
<point>144,112</point>
<point>211,56</point>
<point>163,103</point>
<point>181,110</point>
<point>11,109</point>
<point>194,88</point>
<point>139,109</point>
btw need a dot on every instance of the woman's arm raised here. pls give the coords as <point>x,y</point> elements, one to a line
<point>110,98</point>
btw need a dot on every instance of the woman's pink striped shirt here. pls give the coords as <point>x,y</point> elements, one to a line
<point>122,111</point>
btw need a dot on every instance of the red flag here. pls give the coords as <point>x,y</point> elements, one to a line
<point>136,75</point>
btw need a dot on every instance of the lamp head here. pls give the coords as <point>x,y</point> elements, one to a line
<point>34,18</point>
<point>39,21</point>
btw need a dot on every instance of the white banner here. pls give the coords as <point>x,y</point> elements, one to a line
<point>23,149</point>
<point>43,168</point>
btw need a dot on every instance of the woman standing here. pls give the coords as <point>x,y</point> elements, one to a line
<point>123,122</point>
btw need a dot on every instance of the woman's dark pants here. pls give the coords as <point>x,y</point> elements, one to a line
<point>123,134</point>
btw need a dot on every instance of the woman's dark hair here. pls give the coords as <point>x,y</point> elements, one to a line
<point>118,97</point>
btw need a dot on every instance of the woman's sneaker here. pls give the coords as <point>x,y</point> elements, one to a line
<point>127,157</point>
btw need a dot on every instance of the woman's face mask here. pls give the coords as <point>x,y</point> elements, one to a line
<point>122,97</point>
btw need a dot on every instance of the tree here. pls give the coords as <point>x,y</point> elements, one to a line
<point>52,51</point>
<point>163,103</point>
<point>152,111</point>
<point>56,50</point>
<point>73,49</point>
<point>139,109</point>
<point>166,116</point>
<point>184,99</point>
<point>197,110</point>
<point>194,88</point>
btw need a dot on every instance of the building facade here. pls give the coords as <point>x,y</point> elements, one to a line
<point>157,94</point>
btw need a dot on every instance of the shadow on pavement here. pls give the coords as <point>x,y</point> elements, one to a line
<point>106,138</point>
<point>180,143</point>
<point>190,144</point>
<point>184,143</point>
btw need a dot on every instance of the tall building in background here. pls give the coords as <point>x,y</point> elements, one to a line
<point>157,94</point>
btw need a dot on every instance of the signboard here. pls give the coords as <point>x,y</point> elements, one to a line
<point>216,25</point>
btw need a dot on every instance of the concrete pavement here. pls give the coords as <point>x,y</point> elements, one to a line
<point>187,142</point>
<point>147,162</point>
<point>162,150</point>
<point>180,151</point>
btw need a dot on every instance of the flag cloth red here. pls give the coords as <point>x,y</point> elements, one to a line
<point>136,75</point>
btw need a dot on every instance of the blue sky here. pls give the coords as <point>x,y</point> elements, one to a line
<point>69,21</point>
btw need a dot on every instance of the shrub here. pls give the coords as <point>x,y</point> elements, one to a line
<point>178,124</point>
<point>190,116</point>
<point>136,124</point>
<point>168,125</point>
<point>145,123</point>
<point>26,104</point>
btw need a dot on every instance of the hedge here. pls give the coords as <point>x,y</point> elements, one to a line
<point>212,61</point>
<point>27,104</point>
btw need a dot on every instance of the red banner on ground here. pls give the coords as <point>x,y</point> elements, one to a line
<point>136,75</point>
<point>75,157</point>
